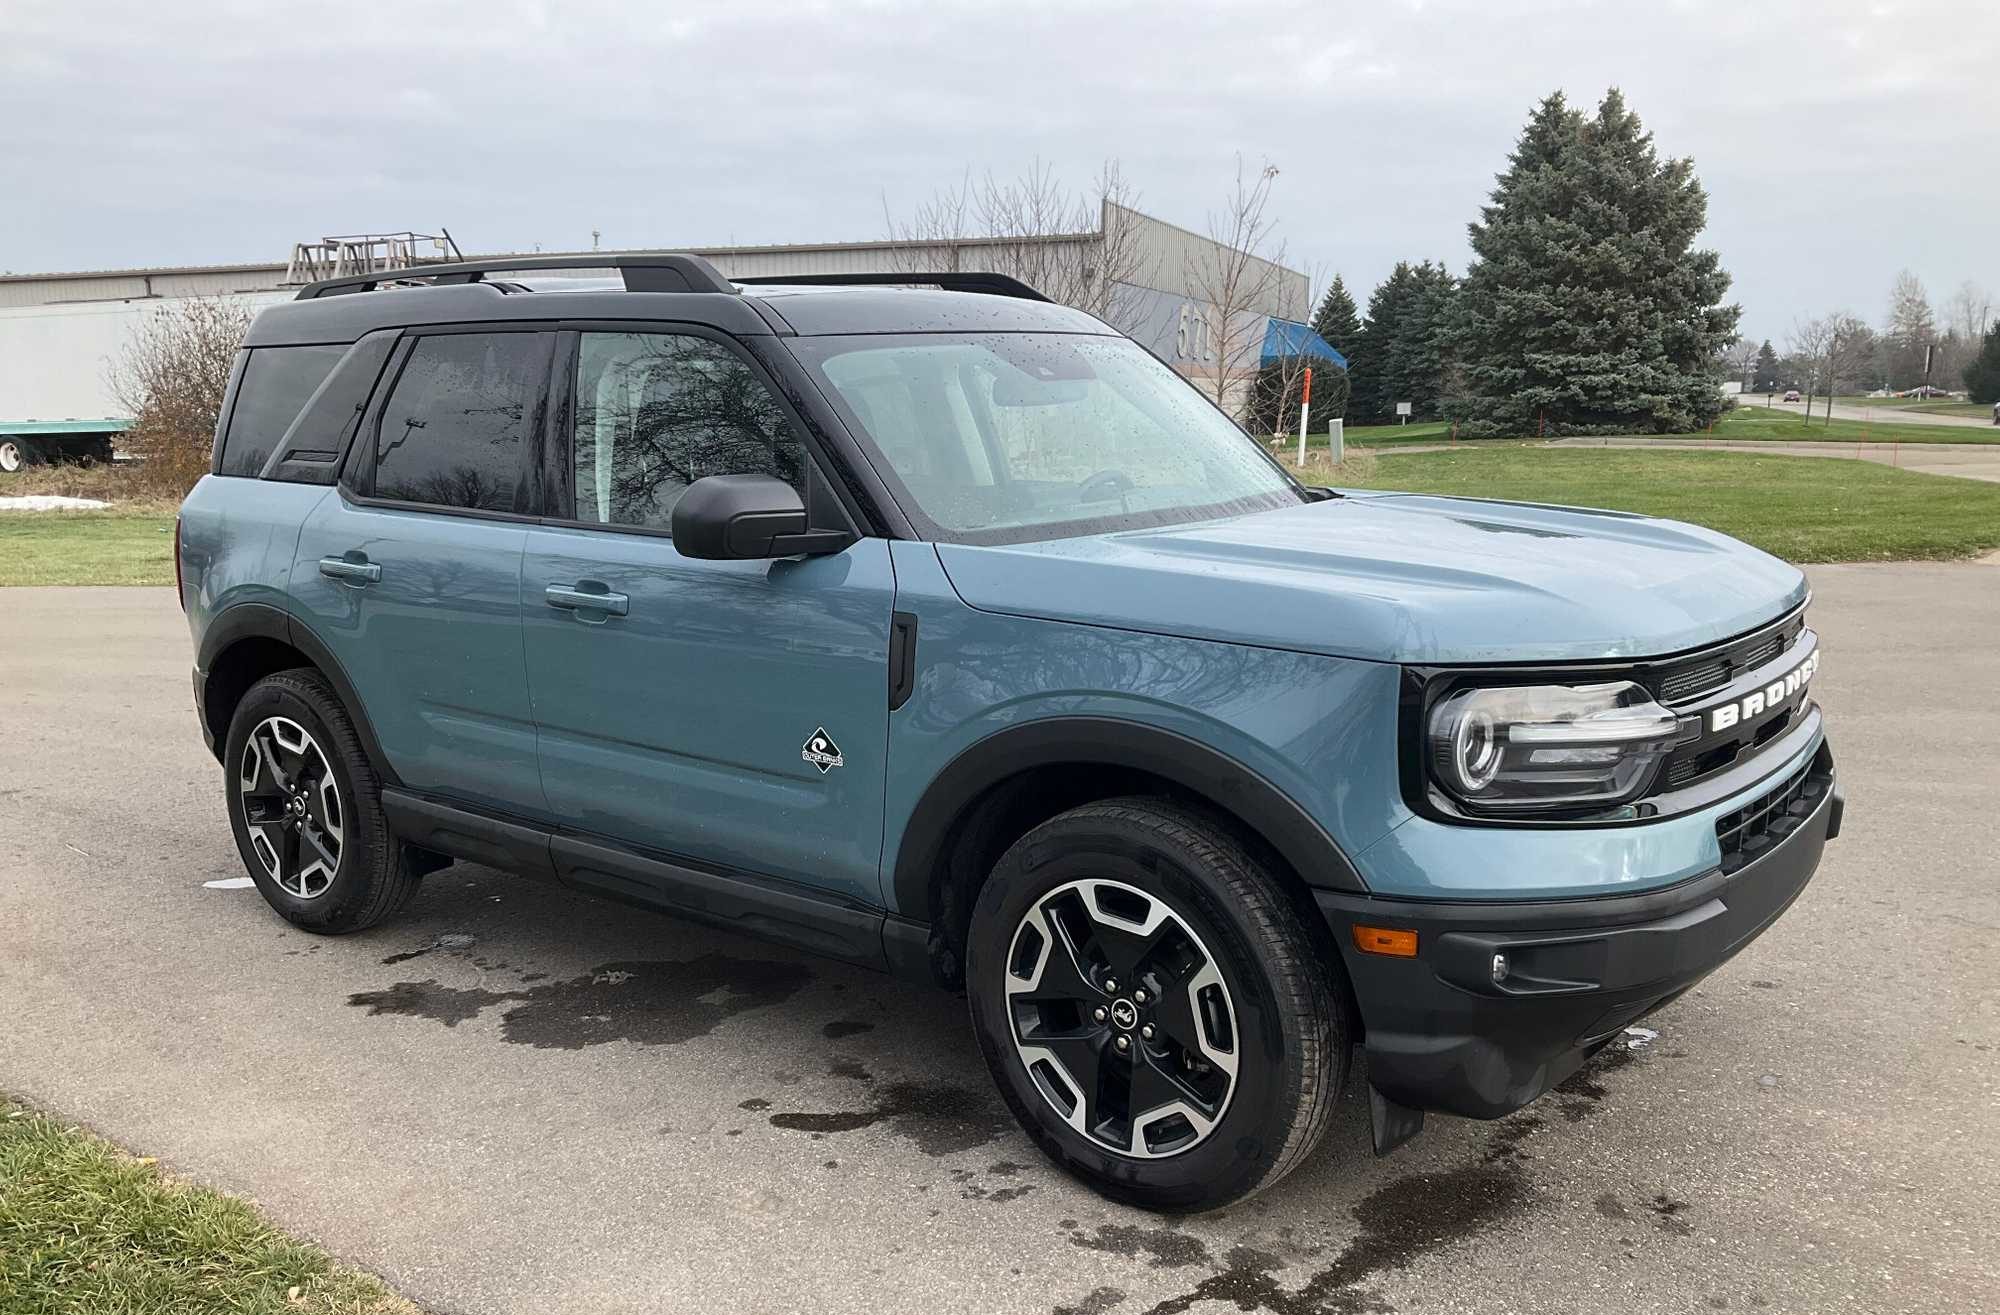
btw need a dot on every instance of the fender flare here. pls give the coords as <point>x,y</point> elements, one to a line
<point>242,621</point>
<point>1111,742</point>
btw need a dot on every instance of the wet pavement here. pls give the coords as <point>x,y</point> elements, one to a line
<point>517,1099</point>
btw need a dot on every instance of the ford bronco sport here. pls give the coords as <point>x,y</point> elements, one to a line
<point>945,630</point>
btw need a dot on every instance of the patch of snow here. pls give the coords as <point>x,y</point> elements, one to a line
<point>50,502</point>
<point>1638,1038</point>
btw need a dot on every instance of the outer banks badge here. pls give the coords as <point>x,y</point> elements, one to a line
<point>822,752</point>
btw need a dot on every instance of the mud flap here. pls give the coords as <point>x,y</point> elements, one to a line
<point>1394,1124</point>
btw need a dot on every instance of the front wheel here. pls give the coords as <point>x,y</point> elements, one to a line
<point>306,807</point>
<point>1152,1006</point>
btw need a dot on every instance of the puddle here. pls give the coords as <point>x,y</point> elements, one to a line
<point>1398,1222</point>
<point>941,1119</point>
<point>649,1003</point>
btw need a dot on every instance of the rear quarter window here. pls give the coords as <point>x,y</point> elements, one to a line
<point>275,385</point>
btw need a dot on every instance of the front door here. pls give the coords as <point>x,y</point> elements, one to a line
<point>732,713</point>
<point>410,572</point>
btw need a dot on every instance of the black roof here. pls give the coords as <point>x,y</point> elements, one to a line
<point>664,287</point>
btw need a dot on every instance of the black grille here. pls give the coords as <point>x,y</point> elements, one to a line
<point>1697,675</point>
<point>1748,832</point>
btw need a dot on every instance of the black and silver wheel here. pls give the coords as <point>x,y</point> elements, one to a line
<point>291,807</point>
<point>1121,1018</point>
<point>306,808</point>
<point>15,453</point>
<point>1153,1007</point>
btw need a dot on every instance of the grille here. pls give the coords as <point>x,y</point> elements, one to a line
<point>1747,833</point>
<point>1717,667</point>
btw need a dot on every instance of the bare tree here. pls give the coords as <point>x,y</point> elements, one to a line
<point>171,375</point>
<point>1240,274</point>
<point>1911,329</point>
<point>1740,359</point>
<point>1075,247</point>
<point>1967,315</point>
<point>1831,348</point>
<point>1288,370</point>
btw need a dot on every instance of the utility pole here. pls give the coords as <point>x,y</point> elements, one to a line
<point>1832,358</point>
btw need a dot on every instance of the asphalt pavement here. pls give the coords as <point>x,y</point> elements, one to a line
<point>517,1099</point>
<point>1965,460</point>
<point>1884,415</point>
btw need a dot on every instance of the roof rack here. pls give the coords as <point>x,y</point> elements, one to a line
<point>661,271</point>
<point>998,285</point>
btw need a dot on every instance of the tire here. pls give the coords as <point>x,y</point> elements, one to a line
<point>330,807</point>
<point>1227,975</point>
<point>15,454</point>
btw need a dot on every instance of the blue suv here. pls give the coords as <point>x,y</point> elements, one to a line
<point>945,630</point>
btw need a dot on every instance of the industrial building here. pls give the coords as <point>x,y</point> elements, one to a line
<point>1153,280</point>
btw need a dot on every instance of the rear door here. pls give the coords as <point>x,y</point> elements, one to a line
<point>411,571</point>
<point>731,713</point>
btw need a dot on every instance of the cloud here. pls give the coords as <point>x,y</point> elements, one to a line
<point>1839,141</point>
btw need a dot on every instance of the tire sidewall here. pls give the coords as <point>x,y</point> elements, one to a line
<point>359,842</point>
<point>1239,1152</point>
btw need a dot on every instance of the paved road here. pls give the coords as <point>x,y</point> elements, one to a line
<point>1965,460</point>
<point>575,1107</point>
<point>1887,415</point>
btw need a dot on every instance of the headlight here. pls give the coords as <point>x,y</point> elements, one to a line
<point>1536,748</point>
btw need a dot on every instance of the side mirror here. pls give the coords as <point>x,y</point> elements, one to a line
<point>747,517</point>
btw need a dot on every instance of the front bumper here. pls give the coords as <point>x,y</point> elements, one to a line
<point>1442,1032</point>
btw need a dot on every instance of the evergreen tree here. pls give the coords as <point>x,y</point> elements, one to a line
<point>1587,308</point>
<point>1764,376</point>
<point>1400,353</point>
<point>1337,322</point>
<point>1982,377</point>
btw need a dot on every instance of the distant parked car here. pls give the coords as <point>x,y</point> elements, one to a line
<point>1791,394</point>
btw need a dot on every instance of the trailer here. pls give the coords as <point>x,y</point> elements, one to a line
<point>56,398</point>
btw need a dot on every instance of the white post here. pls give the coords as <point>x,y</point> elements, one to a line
<point>1336,440</point>
<point>1305,412</point>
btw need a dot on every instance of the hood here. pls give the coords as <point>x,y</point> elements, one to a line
<point>1400,578</point>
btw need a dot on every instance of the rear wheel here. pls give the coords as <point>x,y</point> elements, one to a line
<point>1152,1006</point>
<point>15,453</point>
<point>306,807</point>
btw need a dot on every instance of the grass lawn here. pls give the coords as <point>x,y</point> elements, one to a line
<point>86,547</point>
<point>87,1230</point>
<point>1756,422</point>
<point>1805,509</point>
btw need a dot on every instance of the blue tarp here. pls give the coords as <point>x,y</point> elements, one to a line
<point>1284,338</point>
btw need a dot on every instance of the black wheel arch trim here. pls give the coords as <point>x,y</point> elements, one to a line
<point>1110,742</point>
<point>241,621</point>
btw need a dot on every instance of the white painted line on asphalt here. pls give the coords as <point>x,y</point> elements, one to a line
<point>229,883</point>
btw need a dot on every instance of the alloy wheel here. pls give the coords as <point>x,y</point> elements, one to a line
<point>1122,1018</point>
<point>292,807</point>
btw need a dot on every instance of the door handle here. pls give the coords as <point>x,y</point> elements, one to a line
<point>576,598</point>
<point>355,568</point>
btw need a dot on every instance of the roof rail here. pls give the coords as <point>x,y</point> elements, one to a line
<point>660,271</point>
<point>997,285</point>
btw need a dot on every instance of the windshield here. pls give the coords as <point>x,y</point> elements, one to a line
<point>1000,437</point>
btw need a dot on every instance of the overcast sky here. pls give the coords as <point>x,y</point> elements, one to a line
<point>1838,141</point>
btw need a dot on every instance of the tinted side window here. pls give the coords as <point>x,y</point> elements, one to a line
<point>657,411</point>
<point>275,385</point>
<point>455,430</point>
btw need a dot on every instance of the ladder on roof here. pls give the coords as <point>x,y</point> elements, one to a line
<point>368,253</point>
